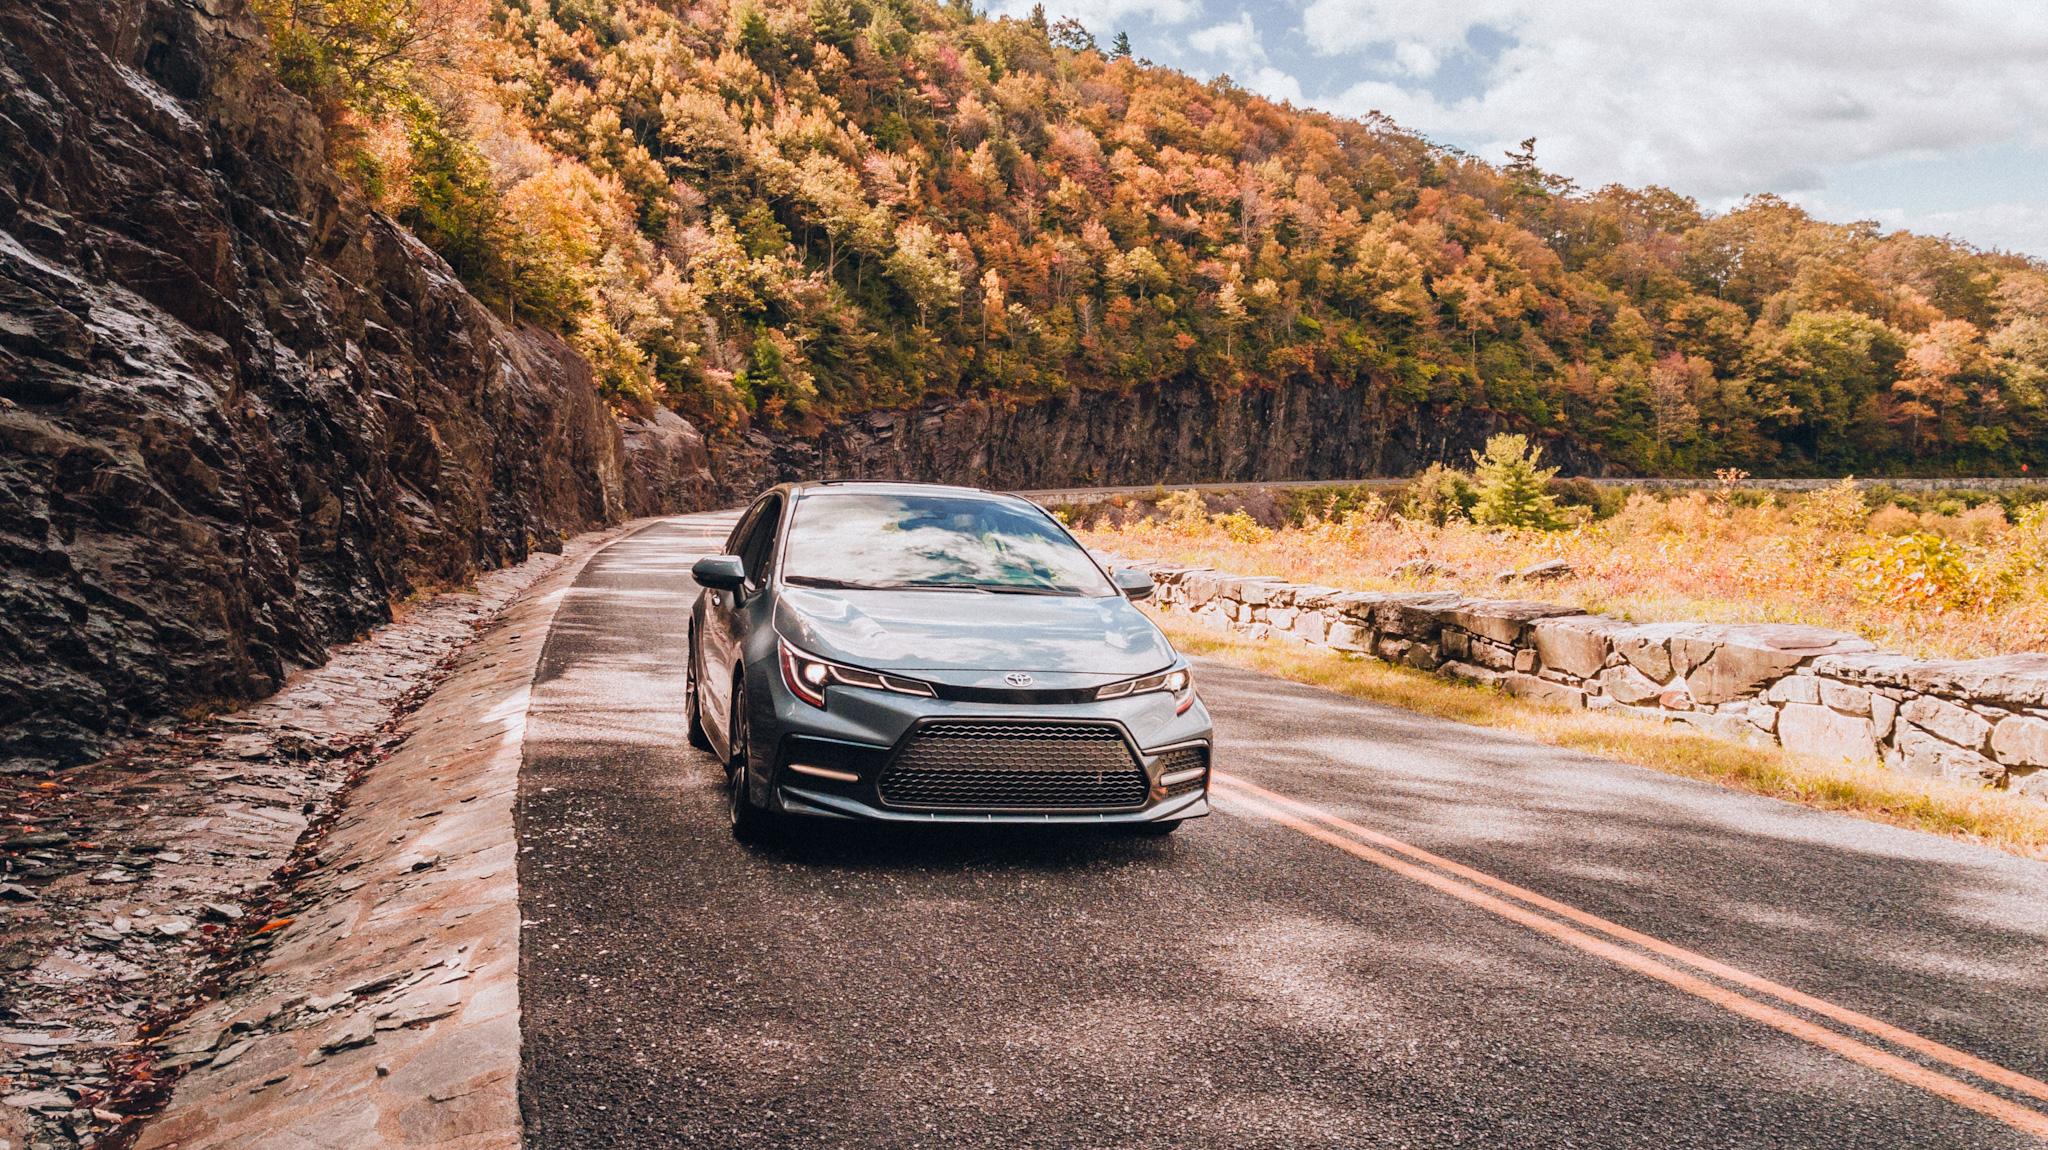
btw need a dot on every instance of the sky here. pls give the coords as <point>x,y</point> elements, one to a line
<point>1923,114</point>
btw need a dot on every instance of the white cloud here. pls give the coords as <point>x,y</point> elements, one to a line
<point>1714,97</point>
<point>1237,41</point>
<point>1236,44</point>
<point>1108,15</point>
<point>2009,225</point>
<point>1418,60</point>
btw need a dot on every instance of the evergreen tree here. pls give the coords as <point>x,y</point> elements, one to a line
<point>1512,488</point>
<point>1120,48</point>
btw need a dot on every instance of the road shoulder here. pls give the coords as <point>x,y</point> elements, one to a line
<point>387,1013</point>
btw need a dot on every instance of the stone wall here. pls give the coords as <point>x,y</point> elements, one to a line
<point>1810,690</point>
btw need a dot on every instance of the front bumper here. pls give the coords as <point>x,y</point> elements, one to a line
<point>862,733</point>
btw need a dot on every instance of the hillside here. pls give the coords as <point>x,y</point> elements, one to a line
<point>771,215</point>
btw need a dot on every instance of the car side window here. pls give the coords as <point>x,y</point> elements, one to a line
<point>757,553</point>
<point>735,543</point>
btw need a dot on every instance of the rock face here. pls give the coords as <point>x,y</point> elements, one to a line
<point>240,414</point>
<point>1165,434</point>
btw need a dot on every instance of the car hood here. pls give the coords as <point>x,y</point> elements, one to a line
<point>1078,639</point>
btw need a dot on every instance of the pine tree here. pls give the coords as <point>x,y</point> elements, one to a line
<point>1121,47</point>
<point>1512,488</point>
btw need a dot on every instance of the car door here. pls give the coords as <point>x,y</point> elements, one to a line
<point>726,612</point>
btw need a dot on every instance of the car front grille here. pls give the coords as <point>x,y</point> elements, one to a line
<point>1186,758</point>
<point>1015,766</point>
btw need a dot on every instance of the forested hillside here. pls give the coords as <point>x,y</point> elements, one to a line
<point>775,213</point>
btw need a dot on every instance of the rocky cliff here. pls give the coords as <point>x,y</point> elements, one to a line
<point>240,414</point>
<point>1184,432</point>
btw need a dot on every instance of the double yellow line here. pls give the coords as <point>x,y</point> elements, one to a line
<point>1654,958</point>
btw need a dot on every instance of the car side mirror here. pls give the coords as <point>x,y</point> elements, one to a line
<point>1135,584</point>
<point>719,572</point>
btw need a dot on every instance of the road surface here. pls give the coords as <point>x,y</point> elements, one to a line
<point>1396,932</point>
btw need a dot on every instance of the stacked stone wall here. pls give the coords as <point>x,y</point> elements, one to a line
<point>1810,690</point>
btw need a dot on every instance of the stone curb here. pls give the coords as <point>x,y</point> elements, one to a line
<point>1812,691</point>
<point>387,1013</point>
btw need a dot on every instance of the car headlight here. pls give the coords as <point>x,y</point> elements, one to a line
<point>807,676</point>
<point>1179,682</point>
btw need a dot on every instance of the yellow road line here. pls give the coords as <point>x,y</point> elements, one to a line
<point>1282,809</point>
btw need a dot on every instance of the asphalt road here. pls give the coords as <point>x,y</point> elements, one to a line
<point>1452,970</point>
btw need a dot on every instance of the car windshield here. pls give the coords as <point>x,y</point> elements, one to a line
<point>867,540</point>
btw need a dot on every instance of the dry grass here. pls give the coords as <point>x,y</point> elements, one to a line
<point>1966,583</point>
<point>2007,822</point>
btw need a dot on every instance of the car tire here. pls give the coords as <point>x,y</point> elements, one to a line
<point>750,824</point>
<point>1156,830</point>
<point>692,704</point>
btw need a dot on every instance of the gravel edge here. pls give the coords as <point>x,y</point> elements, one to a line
<point>387,1011</point>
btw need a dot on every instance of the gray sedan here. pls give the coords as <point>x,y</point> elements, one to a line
<point>911,653</point>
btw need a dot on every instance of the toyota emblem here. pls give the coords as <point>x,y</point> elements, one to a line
<point>1018,679</point>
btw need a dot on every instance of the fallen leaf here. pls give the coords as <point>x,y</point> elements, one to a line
<point>273,924</point>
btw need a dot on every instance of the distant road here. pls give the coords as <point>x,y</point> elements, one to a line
<point>1086,495</point>
<point>1396,932</point>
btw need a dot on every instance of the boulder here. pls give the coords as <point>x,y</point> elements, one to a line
<point>1883,709</point>
<point>1470,673</point>
<point>1813,729</point>
<point>1415,616</point>
<point>1578,645</point>
<point>1959,725</point>
<point>1348,637</point>
<point>1503,620</point>
<point>1924,754</point>
<point>2008,680</point>
<point>1737,661</point>
<point>1625,684</point>
<point>1543,572</point>
<point>1420,569</point>
<point>1544,691</point>
<point>1795,689</point>
<point>1645,647</point>
<point>1845,697</point>
<point>1311,625</point>
<point>2021,741</point>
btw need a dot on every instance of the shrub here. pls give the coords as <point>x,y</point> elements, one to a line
<point>1893,519</point>
<point>1512,488</point>
<point>1439,495</point>
<point>1185,509</point>
<point>1598,502</point>
<point>1240,527</point>
<point>1920,571</point>
<point>1983,521</point>
<point>1835,510</point>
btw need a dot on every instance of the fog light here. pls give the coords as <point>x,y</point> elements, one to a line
<point>825,773</point>
<point>1178,777</point>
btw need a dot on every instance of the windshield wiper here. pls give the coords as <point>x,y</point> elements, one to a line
<point>988,588</point>
<point>830,584</point>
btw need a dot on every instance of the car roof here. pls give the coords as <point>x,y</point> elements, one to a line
<point>894,487</point>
